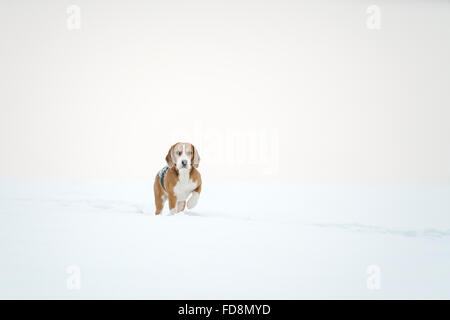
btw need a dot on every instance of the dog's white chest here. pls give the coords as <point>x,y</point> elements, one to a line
<point>184,186</point>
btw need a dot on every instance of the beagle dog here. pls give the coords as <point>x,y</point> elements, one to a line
<point>179,179</point>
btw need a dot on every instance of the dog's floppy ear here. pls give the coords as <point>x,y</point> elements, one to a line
<point>196,157</point>
<point>169,157</point>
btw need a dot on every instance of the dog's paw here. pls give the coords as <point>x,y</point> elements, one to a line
<point>192,202</point>
<point>180,206</point>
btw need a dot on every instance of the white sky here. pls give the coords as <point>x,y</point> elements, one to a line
<point>284,90</point>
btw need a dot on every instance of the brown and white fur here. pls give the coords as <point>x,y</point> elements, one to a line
<point>182,179</point>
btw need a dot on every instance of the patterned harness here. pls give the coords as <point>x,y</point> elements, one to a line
<point>162,174</point>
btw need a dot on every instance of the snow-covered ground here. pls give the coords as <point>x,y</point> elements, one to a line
<point>243,240</point>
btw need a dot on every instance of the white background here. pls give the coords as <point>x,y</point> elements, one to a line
<point>324,149</point>
<point>325,95</point>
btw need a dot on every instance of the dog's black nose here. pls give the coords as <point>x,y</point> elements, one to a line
<point>184,162</point>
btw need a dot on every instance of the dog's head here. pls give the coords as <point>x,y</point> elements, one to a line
<point>183,156</point>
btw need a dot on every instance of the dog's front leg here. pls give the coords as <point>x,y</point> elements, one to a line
<point>192,202</point>
<point>172,203</point>
<point>181,205</point>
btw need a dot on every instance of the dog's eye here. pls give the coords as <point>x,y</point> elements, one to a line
<point>179,153</point>
<point>189,153</point>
